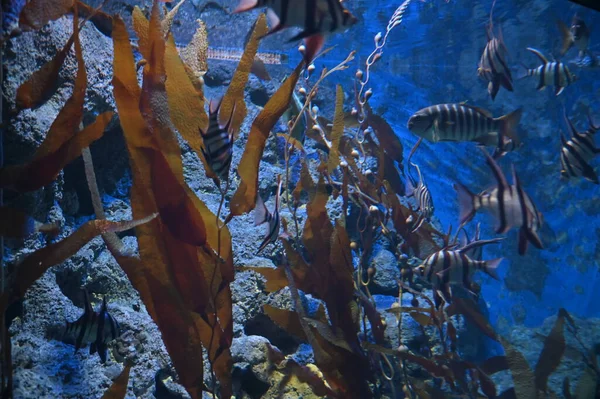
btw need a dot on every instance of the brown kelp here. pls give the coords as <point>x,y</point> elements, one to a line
<point>184,269</point>
<point>118,389</point>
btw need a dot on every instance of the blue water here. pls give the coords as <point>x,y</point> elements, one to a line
<point>432,58</point>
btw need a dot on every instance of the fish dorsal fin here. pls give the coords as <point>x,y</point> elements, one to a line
<point>480,243</point>
<point>418,172</point>
<point>539,54</point>
<point>87,306</point>
<point>278,194</point>
<point>485,112</point>
<point>500,178</point>
<point>572,130</point>
<point>104,308</point>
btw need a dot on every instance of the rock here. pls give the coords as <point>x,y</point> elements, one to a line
<point>530,342</point>
<point>387,273</point>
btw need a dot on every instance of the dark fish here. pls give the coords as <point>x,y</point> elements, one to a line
<point>453,266</point>
<point>218,142</point>
<point>577,35</point>
<point>423,197</point>
<point>554,73</point>
<point>262,215</point>
<point>578,151</point>
<point>493,66</point>
<point>95,328</point>
<point>509,204</point>
<point>462,122</point>
<point>317,18</point>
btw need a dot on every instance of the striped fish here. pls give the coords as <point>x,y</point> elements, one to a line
<point>510,205</point>
<point>422,196</point>
<point>262,215</point>
<point>493,66</point>
<point>453,266</point>
<point>218,142</point>
<point>578,151</point>
<point>317,18</point>
<point>94,328</point>
<point>578,35</point>
<point>554,73</point>
<point>462,122</point>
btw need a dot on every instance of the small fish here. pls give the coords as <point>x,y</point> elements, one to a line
<point>462,122</point>
<point>578,151</point>
<point>317,18</point>
<point>554,73</point>
<point>509,204</point>
<point>493,66</point>
<point>262,215</point>
<point>218,142</point>
<point>95,328</point>
<point>453,266</point>
<point>577,35</point>
<point>423,197</point>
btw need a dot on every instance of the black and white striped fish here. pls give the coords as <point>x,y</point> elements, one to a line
<point>217,145</point>
<point>554,73</point>
<point>510,205</point>
<point>578,34</point>
<point>422,196</point>
<point>262,215</point>
<point>493,66</point>
<point>453,266</point>
<point>317,18</point>
<point>462,122</point>
<point>577,152</point>
<point>94,328</point>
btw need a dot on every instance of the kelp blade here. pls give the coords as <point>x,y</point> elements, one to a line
<point>154,282</point>
<point>118,389</point>
<point>38,13</point>
<point>43,170</point>
<point>234,97</point>
<point>244,199</point>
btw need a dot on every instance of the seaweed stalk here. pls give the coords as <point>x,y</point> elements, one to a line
<point>380,40</point>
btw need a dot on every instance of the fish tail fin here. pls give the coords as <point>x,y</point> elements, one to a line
<point>261,214</point>
<point>567,37</point>
<point>491,268</point>
<point>246,5</point>
<point>508,124</point>
<point>466,203</point>
<point>522,72</point>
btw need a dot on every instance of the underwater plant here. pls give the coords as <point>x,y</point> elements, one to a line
<point>184,268</point>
